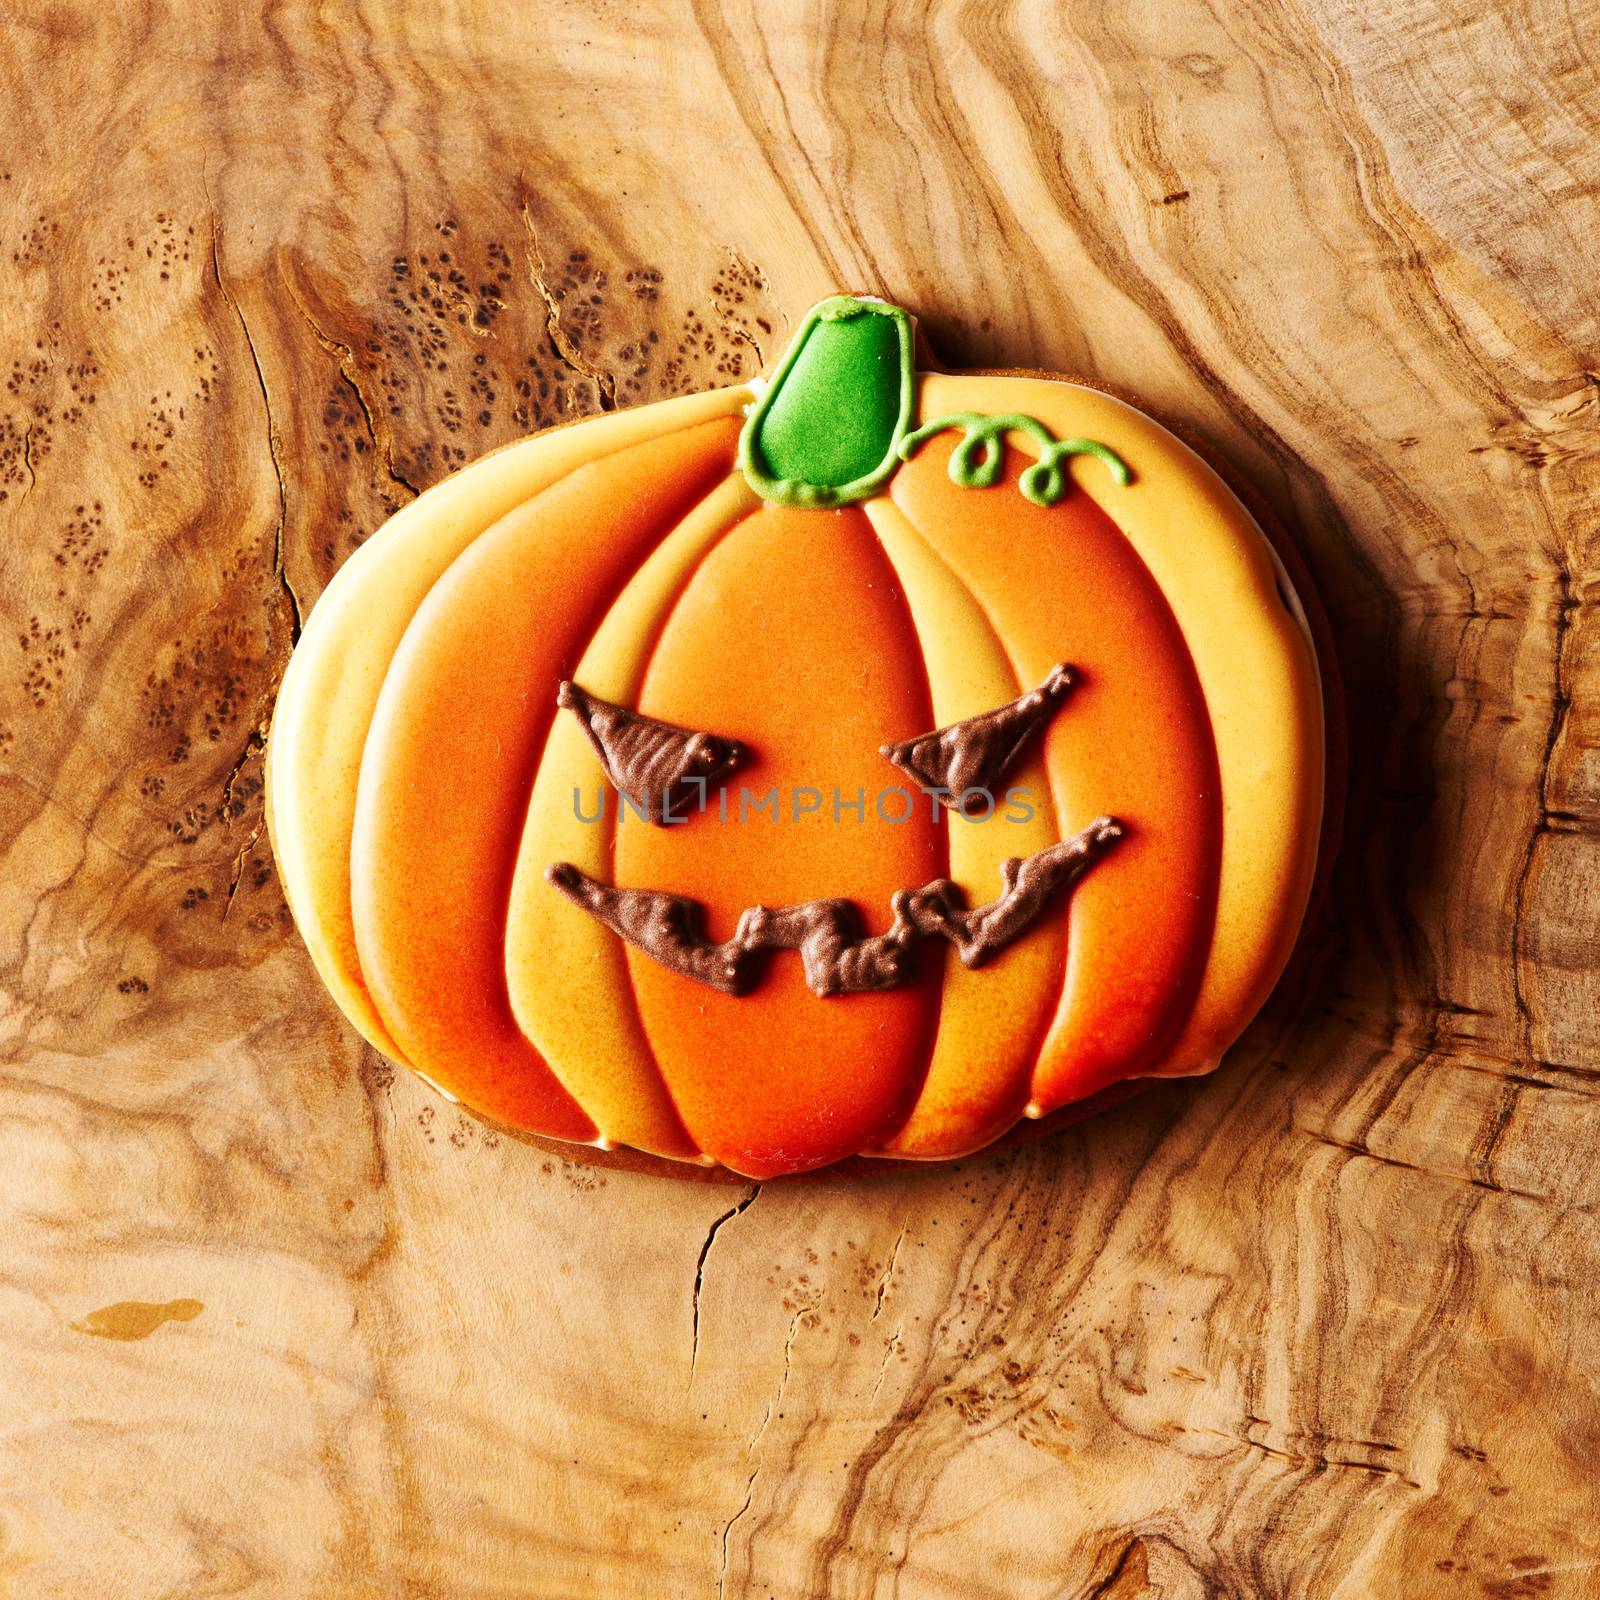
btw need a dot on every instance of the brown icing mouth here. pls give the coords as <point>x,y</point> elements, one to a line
<point>839,956</point>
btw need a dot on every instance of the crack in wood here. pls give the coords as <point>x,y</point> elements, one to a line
<point>236,876</point>
<point>568,352</point>
<point>279,569</point>
<point>888,1274</point>
<point>700,1269</point>
<point>27,461</point>
<point>1316,1460</point>
<point>727,1529</point>
<point>783,1379</point>
<point>733,327</point>
<point>890,1350</point>
<point>382,440</point>
<point>254,744</point>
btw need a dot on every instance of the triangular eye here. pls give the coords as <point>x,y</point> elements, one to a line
<point>663,769</point>
<point>978,752</point>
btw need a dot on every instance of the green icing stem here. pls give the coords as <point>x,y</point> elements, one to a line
<point>976,462</point>
<point>825,431</point>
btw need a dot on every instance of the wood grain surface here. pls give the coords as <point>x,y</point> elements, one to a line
<point>276,1321</point>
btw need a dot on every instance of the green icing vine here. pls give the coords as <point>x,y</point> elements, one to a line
<point>978,459</point>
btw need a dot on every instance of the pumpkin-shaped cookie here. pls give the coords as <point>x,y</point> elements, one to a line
<point>854,762</point>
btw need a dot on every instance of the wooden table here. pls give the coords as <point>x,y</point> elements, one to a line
<point>276,1321</point>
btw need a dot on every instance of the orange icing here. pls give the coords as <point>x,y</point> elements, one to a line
<point>992,1019</point>
<point>1133,741</point>
<point>1252,654</point>
<point>794,638</point>
<point>334,677</point>
<point>450,758</point>
<point>568,973</point>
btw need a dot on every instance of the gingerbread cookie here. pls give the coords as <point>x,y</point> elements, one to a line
<point>857,761</point>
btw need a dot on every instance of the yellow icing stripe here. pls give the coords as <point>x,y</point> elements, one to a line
<point>567,973</point>
<point>990,1021</point>
<point>331,686</point>
<point>1255,664</point>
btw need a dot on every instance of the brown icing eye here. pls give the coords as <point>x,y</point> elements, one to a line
<point>663,769</point>
<point>976,754</point>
